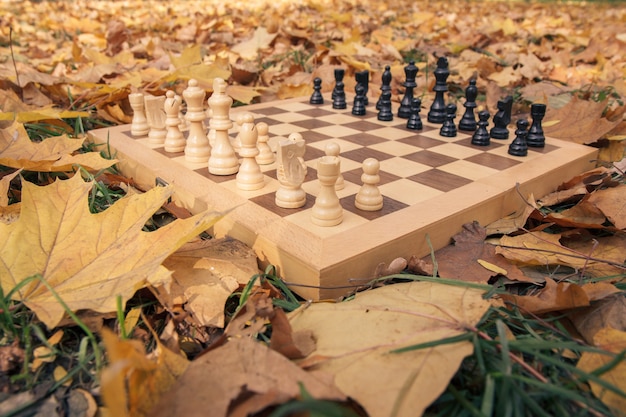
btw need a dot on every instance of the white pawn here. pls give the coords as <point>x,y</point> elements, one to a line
<point>369,197</point>
<point>139,126</point>
<point>156,119</point>
<point>198,148</point>
<point>223,160</point>
<point>332,149</point>
<point>265,156</point>
<point>249,176</point>
<point>327,210</point>
<point>239,119</point>
<point>174,139</point>
<point>290,172</point>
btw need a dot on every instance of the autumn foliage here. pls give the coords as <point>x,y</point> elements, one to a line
<point>70,66</point>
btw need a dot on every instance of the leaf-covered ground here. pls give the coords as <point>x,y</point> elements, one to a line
<point>534,302</point>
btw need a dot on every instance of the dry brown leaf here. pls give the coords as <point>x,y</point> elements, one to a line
<point>544,249</point>
<point>260,40</point>
<point>574,193</point>
<point>205,274</point>
<point>132,382</point>
<point>614,342</point>
<point>607,312</point>
<point>611,202</point>
<point>356,339</point>
<point>230,375</point>
<point>292,345</point>
<point>584,214</point>
<point>580,121</point>
<point>514,221</point>
<point>85,257</point>
<point>560,296</point>
<point>460,260</point>
<point>52,154</point>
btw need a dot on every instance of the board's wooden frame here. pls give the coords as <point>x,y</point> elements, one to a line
<point>330,266</point>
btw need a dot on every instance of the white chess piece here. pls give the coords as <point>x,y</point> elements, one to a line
<point>265,156</point>
<point>223,160</point>
<point>369,197</point>
<point>290,172</point>
<point>249,176</point>
<point>174,139</point>
<point>327,210</point>
<point>332,149</point>
<point>156,119</point>
<point>198,148</point>
<point>139,126</point>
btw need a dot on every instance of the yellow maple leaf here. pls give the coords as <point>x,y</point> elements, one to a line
<point>614,342</point>
<point>249,49</point>
<point>52,154</point>
<point>133,383</point>
<point>88,259</point>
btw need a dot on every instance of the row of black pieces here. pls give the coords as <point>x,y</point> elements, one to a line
<point>439,111</point>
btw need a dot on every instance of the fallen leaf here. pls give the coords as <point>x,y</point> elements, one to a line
<point>260,40</point>
<point>84,257</point>
<point>560,296</point>
<point>544,249</point>
<point>584,214</point>
<point>614,342</point>
<point>355,340</point>
<point>206,273</point>
<point>580,121</point>
<point>11,358</point>
<point>132,382</point>
<point>611,202</point>
<point>459,261</point>
<point>234,373</point>
<point>607,312</point>
<point>5,184</point>
<point>514,221</point>
<point>52,154</point>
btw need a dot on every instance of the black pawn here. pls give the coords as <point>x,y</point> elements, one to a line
<point>338,94</point>
<point>410,72</point>
<point>468,121</point>
<point>415,122</point>
<point>481,135</point>
<point>536,137</point>
<point>437,112</point>
<point>384,113</point>
<point>519,147</point>
<point>317,97</point>
<point>448,128</point>
<point>358,109</point>
<point>363,78</point>
<point>502,119</point>
<point>386,85</point>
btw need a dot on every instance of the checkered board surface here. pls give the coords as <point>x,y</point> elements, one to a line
<point>425,179</point>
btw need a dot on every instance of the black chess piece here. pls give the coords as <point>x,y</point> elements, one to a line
<point>384,113</point>
<point>502,119</point>
<point>338,94</point>
<point>536,137</point>
<point>386,85</point>
<point>358,109</point>
<point>363,78</point>
<point>410,72</point>
<point>519,147</point>
<point>317,97</point>
<point>481,135</point>
<point>437,112</point>
<point>415,122</point>
<point>448,128</point>
<point>468,121</point>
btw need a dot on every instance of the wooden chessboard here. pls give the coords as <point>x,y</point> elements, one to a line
<point>431,185</point>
